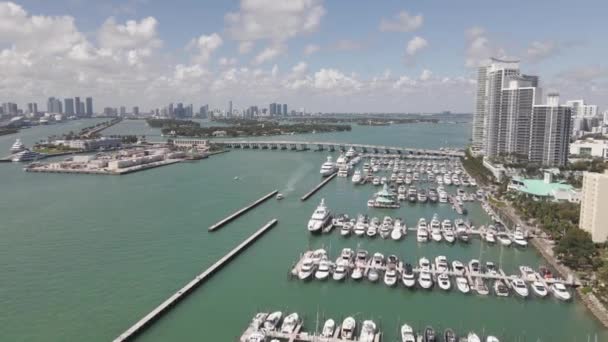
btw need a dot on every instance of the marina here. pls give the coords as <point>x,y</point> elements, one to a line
<point>242,211</point>
<point>189,287</point>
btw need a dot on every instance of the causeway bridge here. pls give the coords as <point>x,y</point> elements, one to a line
<point>332,146</point>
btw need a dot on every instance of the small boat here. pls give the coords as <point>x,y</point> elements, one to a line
<point>501,289</point>
<point>490,236</point>
<point>560,291</point>
<point>407,334</point>
<point>256,336</point>
<point>527,273</point>
<point>306,270</point>
<point>323,271</point>
<point>289,323</point>
<point>520,287</point>
<point>340,272</point>
<point>458,267</point>
<point>539,289</point>
<point>504,239</point>
<point>372,230</point>
<point>429,335</point>
<point>441,264</point>
<point>491,268</point>
<point>328,328</point>
<point>397,232</point>
<point>492,339</point>
<point>272,320</point>
<point>407,277</point>
<point>519,238</point>
<point>374,271</point>
<point>390,277</point>
<point>474,266</point>
<point>357,273</point>
<point>449,336</point>
<point>472,337</point>
<point>463,284</point>
<point>368,331</point>
<point>280,196</point>
<point>258,320</point>
<point>481,287</point>
<point>443,280</point>
<point>349,325</point>
<point>425,280</point>
<point>425,264</point>
<point>346,228</point>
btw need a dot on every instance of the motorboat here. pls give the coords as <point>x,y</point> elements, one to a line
<point>357,273</point>
<point>443,281</point>
<point>425,264</point>
<point>462,284</point>
<point>500,288</point>
<point>527,273</point>
<point>356,177</point>
<point>349,325</point>
<point>422,197</point>
<point>343,172</point>
<point>360,226</point>
<point>258,320</point>
<point>503,239</point>
<point>329,327</point>
<point>272,321</point>
<point>320,218</point>
<point>472,337</point>
<point>368,331</point>
<point>441,264</point>
<point>519,238</point>
<point>492,339</point>
<point>256,336</point>
<point>347,227</point>
<point>490,236</point>
<point>390,277</point>
<point>520,287</point>
<point>328,168</point>
<point>323,270</point>
<point>372,230</point>
<point>491,268</point>
<point>340,272</point>
<point>361,257</point>
<point>425,280</point>
<point>376,181</point>
<point>318,255</point>
<point>307,269</point>
<point>289,323</point>
<point>458,267</point>
<point>374,271</point>
<point>407,277</point>
<point>436,234</point>
<point>449,236</point>
<point>539,288</point>
<point>474,266</point>
<point>481,287</point>
<point>429,335</point>
<point>449,336</point>
<point>407,334</point>
<point>560,291</point>
<point>398,229</point>
<point>422,234</point>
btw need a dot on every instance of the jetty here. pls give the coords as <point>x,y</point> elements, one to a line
<point>170,302</point>
<point>240,212</point>
<point>318,187</point>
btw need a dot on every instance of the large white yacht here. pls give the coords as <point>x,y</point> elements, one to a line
<point>320,218</point>
<point>351,153</point>
<point>25,156</point>
<point>356,176</point>
<point>328,167</point>
<point>17,146</point>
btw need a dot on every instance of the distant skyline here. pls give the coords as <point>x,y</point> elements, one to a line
<point>329,56</point>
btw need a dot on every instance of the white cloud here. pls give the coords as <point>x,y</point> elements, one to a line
<point>300,68</point>
<point>538,50</point>
<point>415,45</point>
<point>245,47</point>
<point>479,48</point>
<point>332,79</point>
<point>274,20</point>
<point>426,75</point>
<point>205,45</point>
<point>403,22</point>
<point>311,48</point>
<point>224,61</point>
<point>129,36</point>
<point>268,54</point>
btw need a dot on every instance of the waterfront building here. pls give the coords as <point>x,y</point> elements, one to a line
<point>594,216</point>
<point>480,111</point>
<point>590,148</point>
<point>69,106</point>
<point>545,189</point>
<point>272,109</point>
<point>89,106</point>
<point>285,109</point>
<point>580,109</point>
<point>77,106</point>
<point>136,110</point>
<point>91,144</point>
<point>54,106</point>
<point>9,109</point>
<point>32,108</point>
<point>549,133</point>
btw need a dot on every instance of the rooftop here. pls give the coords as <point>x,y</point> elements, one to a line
<point>539,187</point>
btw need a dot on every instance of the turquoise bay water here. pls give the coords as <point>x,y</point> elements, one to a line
<point>84,257</point>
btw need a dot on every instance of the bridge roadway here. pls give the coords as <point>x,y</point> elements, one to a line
<point>332,146</point>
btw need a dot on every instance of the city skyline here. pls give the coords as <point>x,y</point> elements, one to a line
<point>399,57</point>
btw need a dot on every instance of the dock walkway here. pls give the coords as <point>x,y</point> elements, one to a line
<point>194,283</point>
<point>240,212</point>
<point>318,187</point>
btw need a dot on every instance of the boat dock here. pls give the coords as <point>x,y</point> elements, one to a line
<point>153,315</point>
<point>240,212</point>
<point>318,187</point>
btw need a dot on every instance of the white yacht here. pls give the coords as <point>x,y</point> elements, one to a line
<point>328,328</point>
<point>407,334</point>
<point>349,325</point>
<point>441,264</point>
<point>519,238</point>
<point>351,153</point>
<point>520,287</point>
<point>397,232</point>
<point>340,272</point>
<point>256,336</point>
<point>501,289</point>
<point>422,234</point>
<point>481,287</point>
<point>289,323</point>
<point>560,291</point>
<point>539,289</point>
<point>368,331</point>
<point>306,269</point>
<point>272,320</point>
<point>490,236</point>
<point>17,146</point>
<point>328,167</point>
<point>356,177</point>
<point>527,273</point>
<point>25,156</point>
<point>320,218</point>
<point>472,337</point>
<point>503,239</point>
<point>390,277</point>
<point>347,227</point>
<point>458,267</point>
<point>443,280</point>
<point>425,280</point>
<point>463,284</point>
<point>343,172</point>
<point>407,277</point>
<point>323,271</point>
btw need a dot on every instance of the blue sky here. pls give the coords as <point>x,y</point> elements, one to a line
<point>189,51</point>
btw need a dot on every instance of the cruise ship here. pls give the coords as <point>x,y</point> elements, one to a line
<point>321,217</point>
<point>328,168</point>
<point>26,156</point>
<point>17,146</point>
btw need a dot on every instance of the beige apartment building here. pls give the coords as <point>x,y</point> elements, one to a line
<point>594,205</point>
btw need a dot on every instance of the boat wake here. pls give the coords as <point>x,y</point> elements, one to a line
<point>297,176</point>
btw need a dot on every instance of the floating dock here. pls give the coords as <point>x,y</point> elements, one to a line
<point>240,212</point>
<point>318,187</point>
<point>143,323</point>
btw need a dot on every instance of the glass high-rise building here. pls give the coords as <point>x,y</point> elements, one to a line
<point>68,106</point>
<point>89,106</point>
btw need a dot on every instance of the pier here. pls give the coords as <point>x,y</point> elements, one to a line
<point>318,187</point>
<point>240,212</point>
<point>164,307</point>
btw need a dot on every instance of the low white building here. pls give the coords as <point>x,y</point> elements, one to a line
<point>91,144</point>
<point>590,148</point>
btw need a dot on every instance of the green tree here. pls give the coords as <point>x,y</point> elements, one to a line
<point>576,249</point>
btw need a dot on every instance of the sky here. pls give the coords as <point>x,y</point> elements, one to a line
<point>328,56</point>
